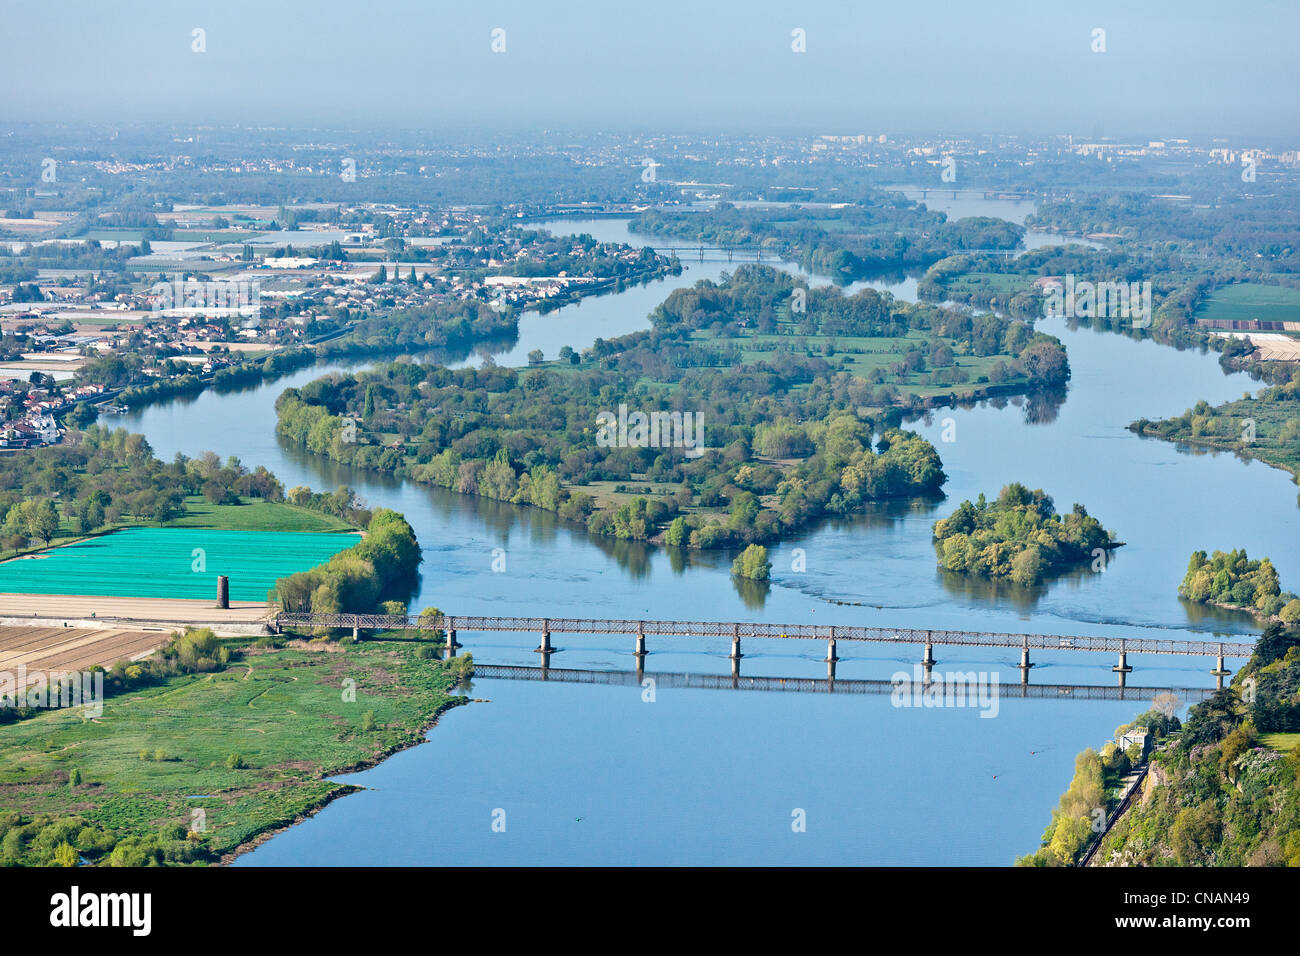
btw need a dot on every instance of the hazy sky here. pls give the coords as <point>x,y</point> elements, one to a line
<point>1170,66</point>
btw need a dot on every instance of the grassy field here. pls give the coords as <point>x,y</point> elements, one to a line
<point>1249,300</point>
<point>252,514</point>
<point>1283,742</point>
<point>255,515</point>
<point>862,355</point>
<point>283,712</point>
<point>988,283</point>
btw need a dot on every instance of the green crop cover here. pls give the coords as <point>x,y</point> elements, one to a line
<point>172,563</point>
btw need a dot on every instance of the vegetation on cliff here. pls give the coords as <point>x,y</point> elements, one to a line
<point>1093,793</point>
<point>1226,790</point>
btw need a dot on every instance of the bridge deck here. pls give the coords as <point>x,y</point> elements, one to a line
<point>749,629</point>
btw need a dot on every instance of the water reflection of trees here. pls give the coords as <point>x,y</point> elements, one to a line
<point>753,594</point>
<point>500,520</point>
<point>976,589</point>
<point>1234,622</point>
<point>992,590</point>
<point>1041,407</point>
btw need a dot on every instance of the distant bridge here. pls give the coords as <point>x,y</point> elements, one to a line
<point>735,630</point>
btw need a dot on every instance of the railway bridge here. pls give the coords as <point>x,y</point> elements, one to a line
<point>832,634</point>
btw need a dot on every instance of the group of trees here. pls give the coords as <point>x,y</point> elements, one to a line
<point>530,440</point>
<point>752,563</point>
<point>1242,227</point>
<point>1231,579</point>
<point>1018,536</point>
<point>1220,793</point>
<point>103,478</point>
<point>47,840</point>
<point>1265,426</point>
<point>362,579</point>
<point>883,232</point>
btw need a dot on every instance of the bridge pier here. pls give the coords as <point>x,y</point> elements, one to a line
<point>1024,664</point>
<point>640,643</point>
<point>451,644</point>
<point>831,656</point>
<point>1220,672</point>
<point>545,648</point>
<point>928,660</point>
<point>1122,668</point>
<point>735,650</point>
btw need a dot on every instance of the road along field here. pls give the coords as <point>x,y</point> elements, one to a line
<point>54,650</point>
<point>58,608</point>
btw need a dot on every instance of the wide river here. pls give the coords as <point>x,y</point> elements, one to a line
<point>597,774</point>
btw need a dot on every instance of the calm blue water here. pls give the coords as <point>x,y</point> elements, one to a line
<point>592,774</point>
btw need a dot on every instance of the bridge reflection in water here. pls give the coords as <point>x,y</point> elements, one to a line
<point>735,630</point>
<point>815,685</point>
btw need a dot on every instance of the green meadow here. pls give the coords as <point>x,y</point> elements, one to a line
<point>250,745</point>
<point>1250,300</point>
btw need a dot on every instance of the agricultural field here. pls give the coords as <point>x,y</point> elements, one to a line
<point>1250,300</point>
<point>171,563</point>
<point>58,649</point>
<point>250,745</point>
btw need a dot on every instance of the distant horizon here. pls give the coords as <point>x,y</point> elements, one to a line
<point>468,133</point>
<point>1013,68</point>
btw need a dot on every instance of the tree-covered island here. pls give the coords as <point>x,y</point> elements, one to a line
<point>799,392</point>
<point>1019,536</point>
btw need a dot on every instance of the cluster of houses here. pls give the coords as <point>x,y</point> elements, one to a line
<point>30,432</point>
<point>27,416</point>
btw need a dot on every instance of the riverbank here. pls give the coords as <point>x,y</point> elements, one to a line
<point>1265,427</point>
<point>1224,791</point>
<point>232,756</point>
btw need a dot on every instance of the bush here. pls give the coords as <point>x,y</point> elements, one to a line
<point>752,563</point>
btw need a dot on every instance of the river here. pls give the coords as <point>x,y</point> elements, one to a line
<point>596,774</point>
